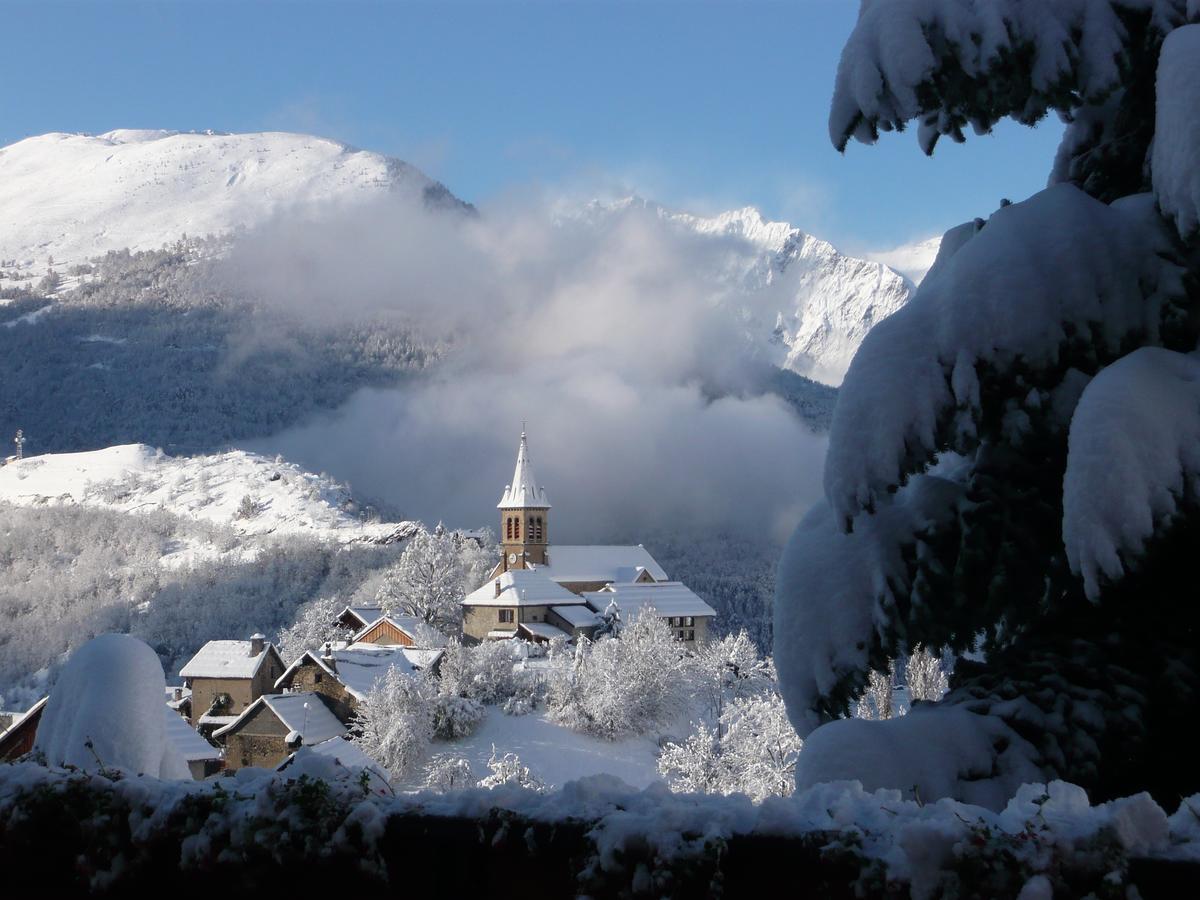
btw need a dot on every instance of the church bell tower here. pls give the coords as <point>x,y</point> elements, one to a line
<point>524,516</point>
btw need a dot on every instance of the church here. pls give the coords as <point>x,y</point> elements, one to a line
<point>539,591</point>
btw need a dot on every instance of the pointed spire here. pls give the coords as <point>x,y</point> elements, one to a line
<point>523,491</point>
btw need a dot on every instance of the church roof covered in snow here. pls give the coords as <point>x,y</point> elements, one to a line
<point>669,598</point>
<point>600,563</point>
<point>524,491</point>
<point>522,587</point>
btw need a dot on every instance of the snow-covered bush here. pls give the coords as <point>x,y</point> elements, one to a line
<point>1011,464</point>
<point>455,717</point>
<point>446,772</point>
<point>876,700</point>
<point>106,711</point>
<point>727,668</point>
<point>395,722</point>
<point>753,752</point>
<point>483,672</point>
<point>509,770</point>
<point>623,685</point>
<point>924,676</point>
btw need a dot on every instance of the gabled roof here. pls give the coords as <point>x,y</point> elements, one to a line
<point>186,740</point>
<point>364,614</point>
<point>572,564</point>
<point>669,598</point>
<point>422,633</point>
<point>543,630</point>
<point>227,659</point>
<point>521,587</point>
<point>305,714</point>
<point>359,666</point>
<point>524,491</point>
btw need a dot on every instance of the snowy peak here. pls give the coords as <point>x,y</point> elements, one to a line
<point>70,197</point>
<point>913,260</point>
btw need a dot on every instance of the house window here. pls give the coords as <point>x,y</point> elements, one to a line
<point>691,635</point>
<point>506,615</point>
<point>317,678</point>
<point>689,621</point>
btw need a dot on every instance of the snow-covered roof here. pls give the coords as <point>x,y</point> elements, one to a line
<point>521,587</point>
<point>543,630</point>
<point>185,738</point>
<point>22,717</point>
<point>499,634</point>
<point>572,564</point>
<point>359,666</point>
<point>365,614</point>
<point>304,713</point>
<point>422,633</point>
<point>669,598</point>
<point>523,491</point>
<point>579,616</point>
<point>318,760</point>
<point>226,659</point>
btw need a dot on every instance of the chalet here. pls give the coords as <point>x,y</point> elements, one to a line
<point>404,631</point>
<point>225,677</point>
<point>274,726</point>
<point>345,676</point>
<point>539,591</point>
<point>18,738</point>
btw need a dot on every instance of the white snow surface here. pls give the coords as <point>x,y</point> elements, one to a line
<point>833,590</point>
<point>225,659</point>
<point>1133,453</point>
<point>1060,260</point>
<point>138,478</point>
<point>110,695</point>
<point>74,196</point>
<point>524,491</point>
<point>1175,159</point>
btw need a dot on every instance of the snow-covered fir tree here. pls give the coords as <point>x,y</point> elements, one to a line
<point>1014,460</point>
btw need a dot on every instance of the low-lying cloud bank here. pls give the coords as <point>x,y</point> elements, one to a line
<point>627,345</point>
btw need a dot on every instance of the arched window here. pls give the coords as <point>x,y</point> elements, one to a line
<point>539,529</point>
<point>516,528</point>
<point>508,531</point>
<point>531,534</point>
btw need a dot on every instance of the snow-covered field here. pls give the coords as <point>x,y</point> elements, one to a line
<point>137,478</point>
<point>553,753</point>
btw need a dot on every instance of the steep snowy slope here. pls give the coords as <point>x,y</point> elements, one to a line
<point>910,260</point>
<point>797,291</point>
<point>71,197</point>
<point>283,499</point>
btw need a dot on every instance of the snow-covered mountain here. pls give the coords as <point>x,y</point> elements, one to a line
<point>251,493</point>
<point>70,197</point>
<point>801,292</point>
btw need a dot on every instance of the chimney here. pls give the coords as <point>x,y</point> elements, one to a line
<point>327,658</point>
<point>258,643</point>
<point>497,587</point>
<point>178,694</point>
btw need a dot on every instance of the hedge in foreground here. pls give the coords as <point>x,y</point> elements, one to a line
<point>67,832</point>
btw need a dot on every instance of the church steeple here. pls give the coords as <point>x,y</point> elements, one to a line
<point>524,519</point>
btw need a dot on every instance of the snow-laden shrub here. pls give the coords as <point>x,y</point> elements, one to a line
<point>509,770</point>
<point>315,624</point>
<point>455,717</point>
<point>446,772</point>
<point>395,722</point>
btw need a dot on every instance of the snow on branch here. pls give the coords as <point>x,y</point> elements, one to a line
<point>1056,267</point>
<point>1176,155</point>
<point>835,591</point>
<point>1134,452</point>
<point>954,63</point>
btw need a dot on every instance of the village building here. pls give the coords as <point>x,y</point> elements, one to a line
<point>356,618</point>
<point>345,676</point>
<point>18,738</point>
<point>540,591</point>
<point>404,631</point>
<point>275,725</point>
<point>226,677</point>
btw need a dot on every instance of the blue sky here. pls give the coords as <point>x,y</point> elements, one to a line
<point>699,105</point>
